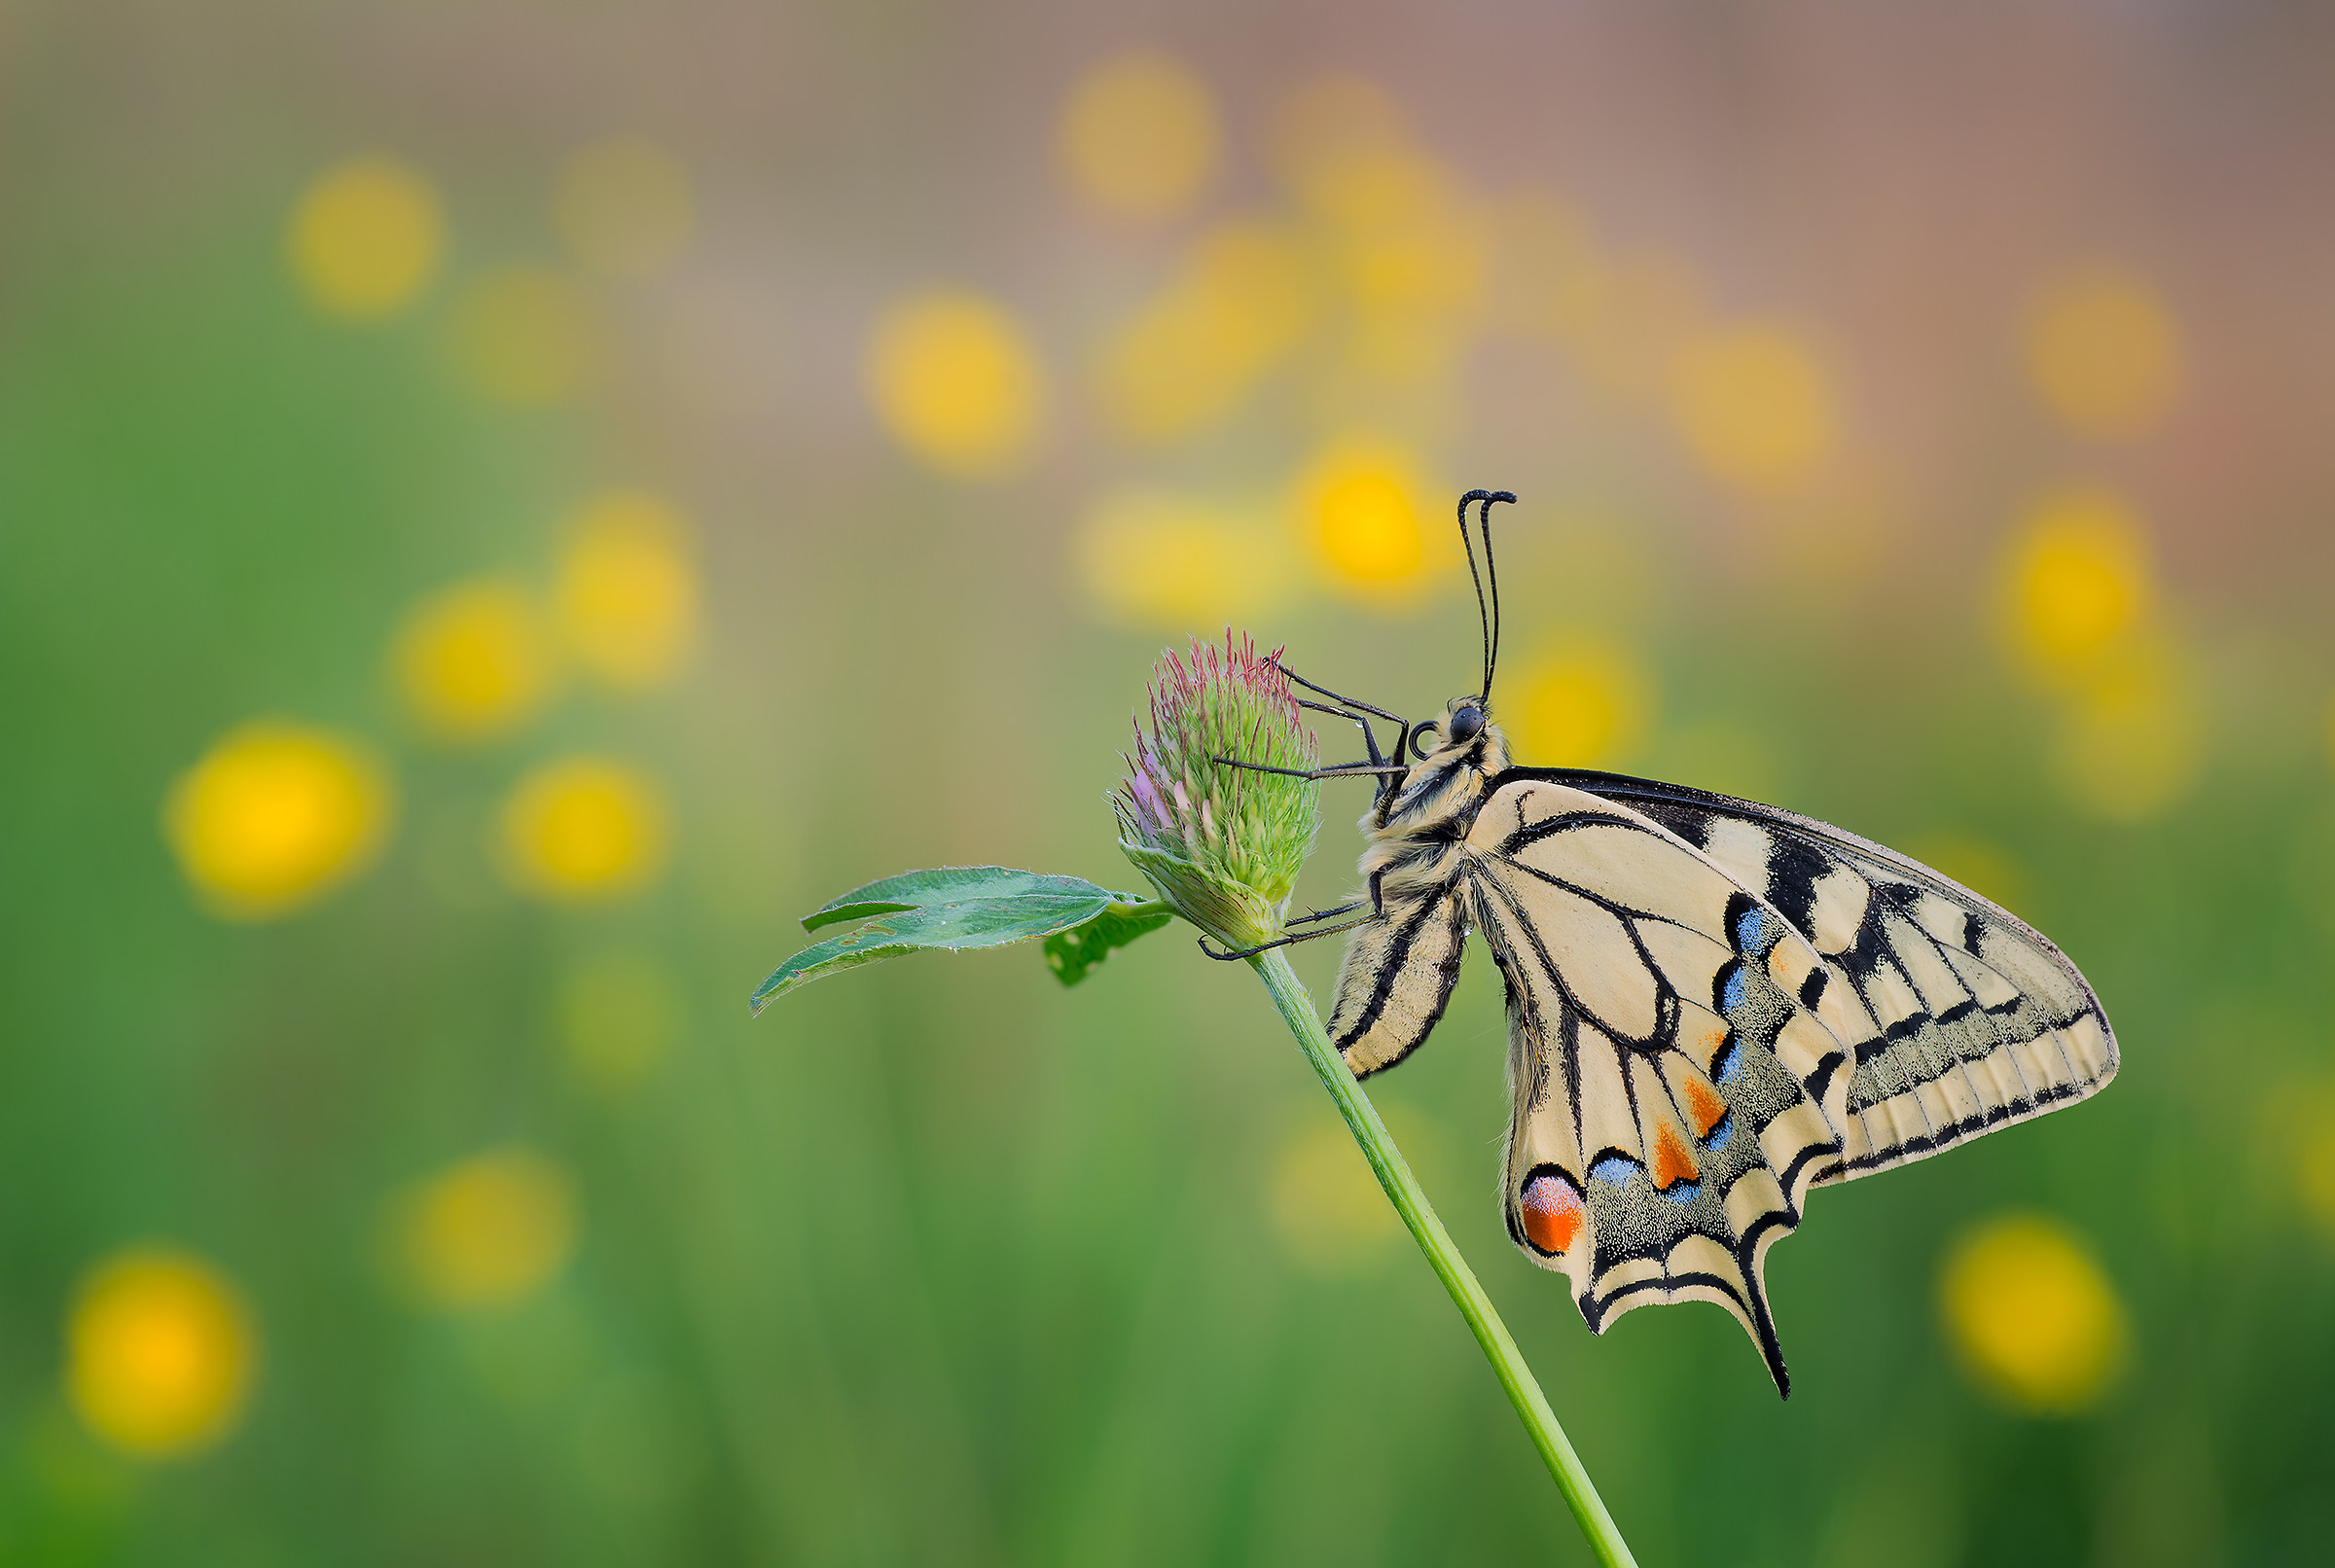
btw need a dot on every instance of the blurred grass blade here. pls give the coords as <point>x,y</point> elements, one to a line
<point>1072,953</point>
<point>956,907</point>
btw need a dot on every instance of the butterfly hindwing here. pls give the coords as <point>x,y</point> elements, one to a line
<point>1960,1017</point>
<point>1676,1076</point>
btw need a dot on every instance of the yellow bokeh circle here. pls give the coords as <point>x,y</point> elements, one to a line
<point>1754,405</point>
<point>2105,353</point>
<point>1180,562</point>
<point>2077,583</point>
<point>528,336</point>
<point>1186,358</point>
<point>473,660</point>
<point>1364,511</point>
<point>160,1352</point>
<point>1580,704</point>
<point>625,593</point>
<point>2131,740</point>
<point>620,1014</point>
<point>583,828</point>
<point>955,382</point>
<point>2033,1316</point>
<point>275,815</point>
<point>623,207</point>
<point>487,1232</point>
<point>365,237</point>
<point>1139,136</point>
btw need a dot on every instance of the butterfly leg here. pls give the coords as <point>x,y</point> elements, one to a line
<point>1282,941</point>
<point>1377,910</point>
<point>1389,783</point>
<point>1338,770</point>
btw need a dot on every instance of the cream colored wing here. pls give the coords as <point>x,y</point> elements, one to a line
<point>1961,1018</point>
<point>1674,1058</point>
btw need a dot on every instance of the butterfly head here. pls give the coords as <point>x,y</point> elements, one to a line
<point>1464,734</point>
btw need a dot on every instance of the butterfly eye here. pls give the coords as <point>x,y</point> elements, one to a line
<point>1467,724</point>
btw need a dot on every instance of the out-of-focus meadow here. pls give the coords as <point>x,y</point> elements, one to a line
<point>505,507</point>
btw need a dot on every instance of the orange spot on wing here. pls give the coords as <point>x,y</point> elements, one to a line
<point>1703,1106</point>
<point>1712,1038</point>
<point>1672,1164</point>
<point>1552,1213</point>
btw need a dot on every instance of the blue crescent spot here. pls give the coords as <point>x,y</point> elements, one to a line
<point>1684,1192</point>
<point>1747,928</point>
<point>1731,995</point>
<point>1616,1169</point>
<point>1721,1130</point>
<point>1730,1061</point>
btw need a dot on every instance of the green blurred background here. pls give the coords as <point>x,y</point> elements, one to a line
<point>504,507</point>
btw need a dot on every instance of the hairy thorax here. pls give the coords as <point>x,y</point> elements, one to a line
<point>1414,836</point>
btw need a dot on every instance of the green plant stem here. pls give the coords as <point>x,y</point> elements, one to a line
<point>1411,1202</point>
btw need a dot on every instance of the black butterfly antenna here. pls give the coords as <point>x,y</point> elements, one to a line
<point>1488,604</point>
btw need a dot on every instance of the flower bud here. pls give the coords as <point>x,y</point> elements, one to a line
<point>1222,844</point>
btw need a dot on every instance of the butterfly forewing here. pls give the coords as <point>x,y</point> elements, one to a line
<point>1960,1019</point>
<point>1669,1064</point>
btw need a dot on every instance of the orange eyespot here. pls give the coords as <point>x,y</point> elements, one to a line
<point>1549,1208</point>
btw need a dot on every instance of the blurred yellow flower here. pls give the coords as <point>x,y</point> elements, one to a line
<point>160,1352</point>
<point>2104,352</point>
<point>1362,509</point>
<point>1754,403</point>
<point>471,662</point>
<point>1190,355</point>
<point>528,336</point>
<point>623,207</point>
<point>275,815</point>
<point>957,384</point>
<point>488,1231</point>
<point>627,592</point>
<point>2077,583</point>
<point>1181,562</point>
<point>583,828</point>
<point>1139,136</point>
<point>2132,741</point>
<point>1339,145</point>
<point>1326,1206</point>
<point>2033,1316</point>
<point>1427,252</point>
<point>2315,1175</point>
<point>1580,704</point>
<point>1986,868</point>
<point>365,237</point>
<point>1323,1202</point>
<point>620,1014</point>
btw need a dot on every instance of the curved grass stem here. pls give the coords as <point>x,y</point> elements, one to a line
<point>1442,1254</point>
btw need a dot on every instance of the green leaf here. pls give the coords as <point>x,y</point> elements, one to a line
<point>951,907</point>
<point>1071,953</point>
<point>941,886</point>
